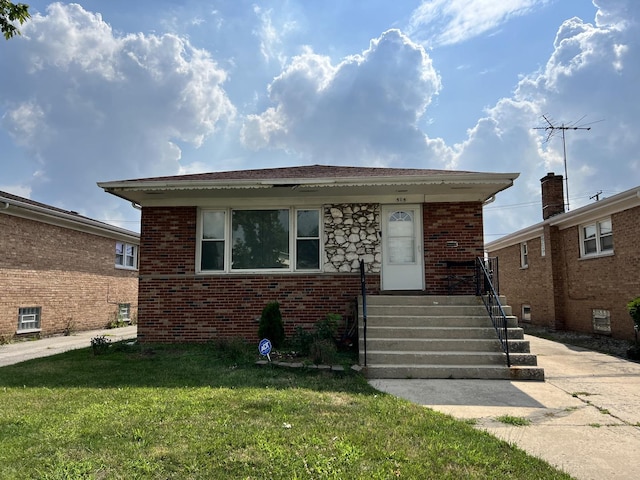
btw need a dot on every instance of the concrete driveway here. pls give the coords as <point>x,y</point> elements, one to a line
<point>585,418</point>
<point>28,349</point>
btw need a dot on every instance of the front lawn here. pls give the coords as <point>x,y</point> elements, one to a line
<point>207,412</point>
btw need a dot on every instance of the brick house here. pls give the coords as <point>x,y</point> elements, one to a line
<point>217,247</point>
<point>575,270</point>
<point>61,271</point>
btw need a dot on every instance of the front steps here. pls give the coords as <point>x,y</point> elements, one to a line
<point>440,337</point>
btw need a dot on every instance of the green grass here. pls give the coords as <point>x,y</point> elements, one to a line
<point>204,411</point>
<point>515,421</point>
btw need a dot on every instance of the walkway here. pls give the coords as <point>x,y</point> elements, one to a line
<point>585,418</point>
<point>26,350</point>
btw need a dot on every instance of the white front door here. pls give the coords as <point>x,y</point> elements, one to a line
<point>402,258</point>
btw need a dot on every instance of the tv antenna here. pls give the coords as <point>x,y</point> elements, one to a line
<point>552,129</point>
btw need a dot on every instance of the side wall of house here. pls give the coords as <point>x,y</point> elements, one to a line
<point>69,274</point>
<point>603,283</point>
<point>565,297</point>
<point>532,285</point>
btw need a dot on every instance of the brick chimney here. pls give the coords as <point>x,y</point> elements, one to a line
<point>552,195</point>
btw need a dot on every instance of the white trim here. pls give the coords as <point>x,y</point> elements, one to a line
<point>292,237</point>
<point>603,208</point>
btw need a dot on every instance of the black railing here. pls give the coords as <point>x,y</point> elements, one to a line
<point>363,291</point>
<point>486,271</point>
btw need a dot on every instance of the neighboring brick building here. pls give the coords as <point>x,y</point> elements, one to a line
<point>217,247</point>
<point>61,272</point>
<point>574,271</point>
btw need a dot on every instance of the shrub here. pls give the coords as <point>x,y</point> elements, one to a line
<point>323,351</point>
<point>100,344</point>
<point>634,310</point>
<point>271,325</point>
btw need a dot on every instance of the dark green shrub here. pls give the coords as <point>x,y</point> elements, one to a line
<point>327,328</point>
<point>271,325</point>
<point>634,310</point>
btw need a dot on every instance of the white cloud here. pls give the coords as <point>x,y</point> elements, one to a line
<point>365,109</point>
<point>589,81</point>
<point>444,22</point>
<point>94,106</point>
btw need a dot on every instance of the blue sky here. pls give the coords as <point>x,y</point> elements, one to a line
<point>98,91</point>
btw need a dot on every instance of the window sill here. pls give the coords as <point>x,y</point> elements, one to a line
<point>597,255</point>
<point>29,330</point>
<point>122,267</point>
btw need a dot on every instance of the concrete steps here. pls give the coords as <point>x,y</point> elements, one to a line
<point>440,337</point>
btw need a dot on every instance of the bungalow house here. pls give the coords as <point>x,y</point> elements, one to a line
<point>62,272</point>
<point>217,247</point>
<point>575,270</point>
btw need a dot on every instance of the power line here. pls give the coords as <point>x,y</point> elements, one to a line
<point>552,130</point>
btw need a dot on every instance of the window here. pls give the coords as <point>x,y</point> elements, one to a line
<point>524,255</point>
<point>543,247</point>
<point>601,321</point>
<point>271,239</point>
<point>126,255</point>
<point>526,313</point>
<point>596,238</point>
<point>28,319</point>
<point>307,240</point>
<point>124,312</point>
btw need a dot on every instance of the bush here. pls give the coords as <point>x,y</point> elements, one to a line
<point>100,344</point>
<point>634,310</point>
<point>323,351</point>
<point>271,325</point>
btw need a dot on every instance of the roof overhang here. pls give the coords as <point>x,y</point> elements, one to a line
<point>70,220</point>
<point>583,215</point>
<point>467,187</point>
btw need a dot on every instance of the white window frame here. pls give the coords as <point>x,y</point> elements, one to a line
<point>293,254</point>
<point>29,315</point>
<point>525,314</point>
<point>122,263</point>
<point>124,312</point>
<point>524,255</point>
<point>597,226</point>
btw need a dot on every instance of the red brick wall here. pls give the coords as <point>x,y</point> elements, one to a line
<point>178,305</point>
<point>532,285</point>
<point>71,275</point>
<point>451,222</point>
<point>564,299</point>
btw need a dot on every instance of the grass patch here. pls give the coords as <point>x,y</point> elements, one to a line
<point>206,411</point>
<point>515,421</point>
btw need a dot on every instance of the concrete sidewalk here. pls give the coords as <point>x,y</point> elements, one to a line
<point>585,418</point>
<point>28,349</point>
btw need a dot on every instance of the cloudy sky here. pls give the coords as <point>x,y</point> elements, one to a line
<point>97,91</point>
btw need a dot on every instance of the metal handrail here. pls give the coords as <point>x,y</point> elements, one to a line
<point>491,299</point>
<point>363,290</point>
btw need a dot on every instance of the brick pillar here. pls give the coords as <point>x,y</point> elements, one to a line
<point>552,195</point>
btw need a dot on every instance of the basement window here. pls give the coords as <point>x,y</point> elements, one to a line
<point>601,321</point>
<point>526,313</point>
<point>28,319</point>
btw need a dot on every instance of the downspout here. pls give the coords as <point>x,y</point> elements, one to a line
<point>136,206</point>
<point>489,200</point>
<point>6,206</point>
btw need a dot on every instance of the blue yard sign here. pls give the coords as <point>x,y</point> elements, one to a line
<point>265,348</point>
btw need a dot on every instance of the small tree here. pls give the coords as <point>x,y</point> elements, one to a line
<point>271,325</point>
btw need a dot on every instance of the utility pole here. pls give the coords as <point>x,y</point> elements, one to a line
<point>552,129</point>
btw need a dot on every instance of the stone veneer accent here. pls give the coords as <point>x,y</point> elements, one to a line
<point>351,234</point>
